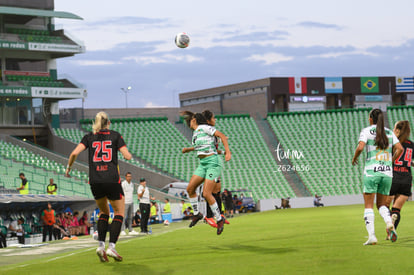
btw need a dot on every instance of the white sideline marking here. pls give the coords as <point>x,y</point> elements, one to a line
<point>53,248</point>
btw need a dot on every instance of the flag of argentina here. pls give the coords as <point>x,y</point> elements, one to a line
<point>404,84</point>
<point>333,85</point>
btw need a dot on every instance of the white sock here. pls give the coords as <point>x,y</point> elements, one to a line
<point>369,221</point>
<point>111,245</point>
<point>216,211</point>
<point>101,244</point>
<point>385,214</point>
<point>194,204</point>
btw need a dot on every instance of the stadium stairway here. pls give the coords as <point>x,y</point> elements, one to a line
<point>273,143</point>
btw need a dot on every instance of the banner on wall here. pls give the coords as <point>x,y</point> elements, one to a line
<point>369,85</point>
<point>297,85</point>
<point>404,84</point>
<point>51,92</point>
<point>333,85</point>
<point>15,91</point>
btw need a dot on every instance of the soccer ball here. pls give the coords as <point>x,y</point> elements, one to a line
<point>95,235</point>
<point>182,40</point>
<point>166,223</point>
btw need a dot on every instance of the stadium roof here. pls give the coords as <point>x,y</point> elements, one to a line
<point>37,12</point>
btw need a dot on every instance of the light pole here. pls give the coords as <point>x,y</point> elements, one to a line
<point>126,95</point>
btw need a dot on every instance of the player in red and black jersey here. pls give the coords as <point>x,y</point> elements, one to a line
<point>103,146</point>
<point>402,178</point>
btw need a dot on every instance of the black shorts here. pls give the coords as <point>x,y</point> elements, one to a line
<point>400,187</point>
<point>113,191</point>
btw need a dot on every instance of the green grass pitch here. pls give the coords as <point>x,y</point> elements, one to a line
<point>324,240</point>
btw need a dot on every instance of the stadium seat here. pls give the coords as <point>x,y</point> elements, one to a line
<point>327,154</point>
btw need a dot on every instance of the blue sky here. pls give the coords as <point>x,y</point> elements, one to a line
<point>130,43</point>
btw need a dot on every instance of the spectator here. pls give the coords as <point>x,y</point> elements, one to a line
<point>185,206</point>
<point>317,201</point>
<point>144,204</point>
<point>228,203</point>
<point>17,230</point>
<point>48,217</point>
<point>24,188</point>
<point>128,188</point>
<point>74,227</point>
<point>167,206</point>
<point>188,213</point>
<point>58,229</point>
<point>83,221</point>
<point>51,188</point>
<point>285,203</point>
<point>137,219</point>
<point>154,212</point>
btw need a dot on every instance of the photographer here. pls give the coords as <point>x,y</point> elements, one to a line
<point>317,201</point>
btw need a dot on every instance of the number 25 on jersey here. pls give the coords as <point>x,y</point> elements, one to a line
<point>103,151</point>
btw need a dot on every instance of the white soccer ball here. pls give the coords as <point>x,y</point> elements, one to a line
<point>166,222</point>
<point>95,235</point>
<point>182,40</point>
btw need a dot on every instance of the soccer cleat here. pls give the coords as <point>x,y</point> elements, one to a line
<point>133,232</point>
<point>220,226</point>
<point>371,241</point>
<point>123,233</point>
<point>111,252</point>
<point>211,222</point>
<point>195,219</point>
<point>100,251</point>
<point>393,233</point>
<point>388,234</point>
<point>225,220</point>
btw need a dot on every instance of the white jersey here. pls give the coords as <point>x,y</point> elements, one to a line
<point>146,196</point>
<point>378,162</point>
<point>204,140</point>
<point>128,191</point>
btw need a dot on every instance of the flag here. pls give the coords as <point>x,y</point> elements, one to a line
<point>297,85</point>
<point>369,85</point>
<point>404,84</point>
<point>333,85</point>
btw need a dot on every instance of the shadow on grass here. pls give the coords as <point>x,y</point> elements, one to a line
<point>132,268</point>
<point>254,249</point>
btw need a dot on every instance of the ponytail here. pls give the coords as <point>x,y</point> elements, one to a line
<point>188,116</point>
<point>101,122</point>
<point>381,139</point>
<point>404,127</point>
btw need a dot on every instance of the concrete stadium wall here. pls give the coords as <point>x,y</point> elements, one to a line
<point>305,202</point>
<point>254,105</point>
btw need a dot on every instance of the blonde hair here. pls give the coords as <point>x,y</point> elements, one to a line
<point>101,122</point>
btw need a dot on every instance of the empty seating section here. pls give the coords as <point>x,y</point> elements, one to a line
<point>401,113</point>
<point>39,36</point>
<point>38,81</point>
<point>252,165</point>
<point>327,140</point>
<point>76,135</point>
<point>38,170</point>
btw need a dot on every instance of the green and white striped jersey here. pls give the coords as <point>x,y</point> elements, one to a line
<point>378,162</point>
<point>204,140</point>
